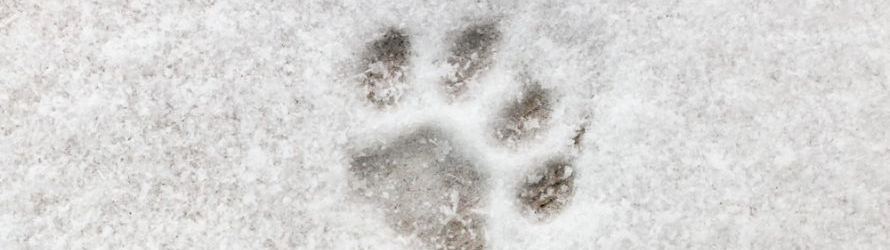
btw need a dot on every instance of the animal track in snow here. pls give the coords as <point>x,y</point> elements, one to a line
<point>428,187</point>
<point>471,55</point>
<point>386,58</point>
<point>525,115</point>
<point>547,190</point>
<point>426,183</point>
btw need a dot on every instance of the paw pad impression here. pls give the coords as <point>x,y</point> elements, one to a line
<point>471,54</point>
<point>387,59</point>
<point>426,187</point>
<point>526,115</point>
<point>546,191</point>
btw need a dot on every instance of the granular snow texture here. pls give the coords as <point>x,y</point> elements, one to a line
<point>235,124</point>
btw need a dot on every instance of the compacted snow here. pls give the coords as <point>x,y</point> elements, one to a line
<point>455,125</point>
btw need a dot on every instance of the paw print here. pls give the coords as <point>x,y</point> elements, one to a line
<point>433,187</point>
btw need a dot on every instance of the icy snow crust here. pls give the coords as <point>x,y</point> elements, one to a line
<point>237,124</point>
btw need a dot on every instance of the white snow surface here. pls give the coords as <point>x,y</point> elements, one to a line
<point>729,124</point>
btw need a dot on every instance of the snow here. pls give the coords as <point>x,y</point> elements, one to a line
<point>232,124</point>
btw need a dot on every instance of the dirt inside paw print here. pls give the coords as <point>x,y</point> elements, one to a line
<point>386,61</point>
<point>471,54</point>
<point>526,115</point>
<point>546,191</point>
<point>426,187</point>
